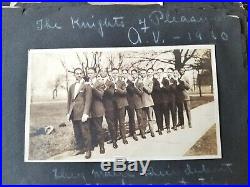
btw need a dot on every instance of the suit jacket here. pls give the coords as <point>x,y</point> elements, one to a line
<point>121,94</point>
<point>157,92</point>
<point>147,91</point>
<point>97,108</point>
<point>79,105</point>
<point>130,94</point>
<point>108,96</point>
<point>182,90</point>
<point>168,91</point>
<point>135,92</point>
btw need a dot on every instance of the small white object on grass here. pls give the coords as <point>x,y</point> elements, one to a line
<point>49,129</point>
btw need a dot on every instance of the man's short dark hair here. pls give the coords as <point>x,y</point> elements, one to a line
<point>182,71</point>
<point>134,70</point>
<point>125,70</point>
<point>104,69</point>
<point>115,69</point>
<point>172,69</point>
<point>86,78</point>
<point>150,69</point>
<point>91,69</point>
<point>143,70</point>
<point>77,70</point>
<point>160,69</point>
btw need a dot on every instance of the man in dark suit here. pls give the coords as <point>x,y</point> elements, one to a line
<point>182,98</point>
<point>131,106</point>
<point>109,105</point>
<point>121,102</point>
<point>135,91</point>
<point>169,99</point>
<point>97,109</point>
<point>157,98</point>
<point>78,108</point>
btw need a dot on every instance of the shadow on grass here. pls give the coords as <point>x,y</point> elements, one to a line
<point>38,132</point>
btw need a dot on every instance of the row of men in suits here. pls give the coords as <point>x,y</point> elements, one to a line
<point>113,95</point>
<point>170,96</point>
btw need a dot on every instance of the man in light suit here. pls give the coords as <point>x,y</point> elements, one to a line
<point>97,109</point>
<point>135,91</point>
<point>147,101</point>
<point>182,97</point>
<point>78,108</point>
<point>121,102</point>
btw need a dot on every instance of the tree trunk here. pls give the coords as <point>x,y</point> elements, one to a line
<point>212,88</point>
<point>200,90</point>
<point>54,93</point>
<point>199,84</point>
<point>67,82</point>
<point>178,64</point>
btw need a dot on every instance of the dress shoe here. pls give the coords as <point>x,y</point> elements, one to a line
<point>168,131</point>
<point>135,137</point>
<point>143,136</point>
<point>152,134</point>
<point>160,132</point>
<point>88,154</point>
<point>178,125</point>
<point>78,152</point>
<point>189,124</point>
<point>125,141</point>
<point>115,145</point>
<point>175,128</point>
<point>147,131</point>
<point>119,137</point>
<point>109,142</point>
<point>102,150</point>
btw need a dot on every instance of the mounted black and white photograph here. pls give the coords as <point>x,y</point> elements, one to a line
<point>138,103</point>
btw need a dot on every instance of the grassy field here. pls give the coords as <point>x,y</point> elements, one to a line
<point>44,146</point>
<point>206,145</point>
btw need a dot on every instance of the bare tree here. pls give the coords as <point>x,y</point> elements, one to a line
<point>87,64</point>
<point>181,57</point>
<point>81,63</point>
<point>96,59</point>
<point>204,70</point>
<point>54,85</point>
<point>149,59</point>
<point>57,84</point>
<point>120,63</point>
<point>66,75</point>
<point>110,59</point>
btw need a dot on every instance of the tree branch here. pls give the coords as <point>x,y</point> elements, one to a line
<point>187,58</point>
